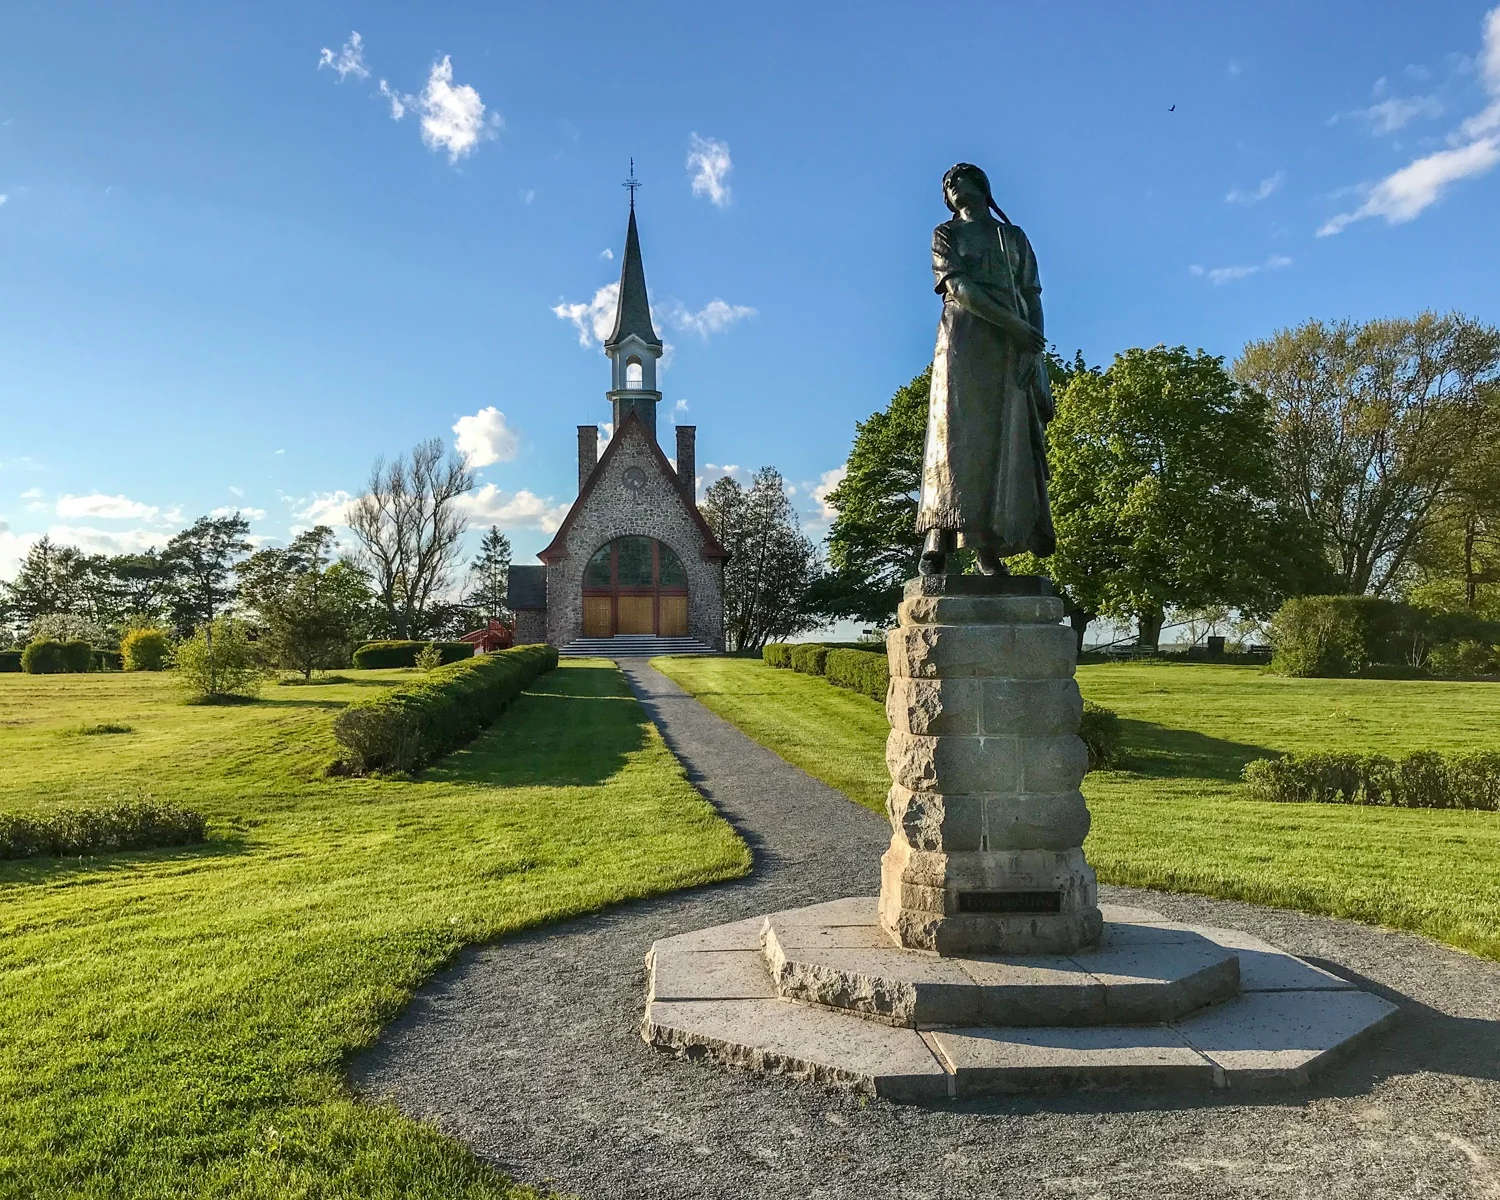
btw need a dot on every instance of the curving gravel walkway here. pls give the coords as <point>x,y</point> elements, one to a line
<point>529,1052</point>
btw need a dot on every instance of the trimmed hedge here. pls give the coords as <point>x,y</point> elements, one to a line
<point>1333,636</point>
<point>47,657</point>
<point>108,660</point>
<point>809,658</point>
<point>74,831</point>
<point>777,654</point>
<point>1100,731</point>
<point>408,727</point>
<point>865,671</point>
<point>1424,779</point>
<point>374,655</point>
<point>10,661</point>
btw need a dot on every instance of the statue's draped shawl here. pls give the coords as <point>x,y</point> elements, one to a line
<point>984,472</point>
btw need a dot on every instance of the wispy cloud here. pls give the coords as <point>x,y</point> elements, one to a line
<point>714,317</point>
<point>230,510</point>
<point>1474,149</point>
<point>1388,116</point>
<point>710,163</point>
<point>1219,276</point>
<point>106,541</point>
<point>826,483</point>
<point>97,506</point>
<point>350,59</point>
<point>1266,187</point>
<point>485,438</point>
<point>325,508</point>
<point>595,318</point>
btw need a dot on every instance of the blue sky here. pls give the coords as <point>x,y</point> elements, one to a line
<point>232,277</point>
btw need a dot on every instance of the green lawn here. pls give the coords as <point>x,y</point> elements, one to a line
<point>1174,815</point>
<point>175,1023</point>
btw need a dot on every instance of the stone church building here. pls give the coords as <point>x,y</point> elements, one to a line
<point>633,556</point>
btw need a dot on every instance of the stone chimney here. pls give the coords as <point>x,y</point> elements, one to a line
<point>687,458</point>
<point>588,452</point>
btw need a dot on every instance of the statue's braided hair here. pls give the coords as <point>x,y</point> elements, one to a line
<point>960,169</point>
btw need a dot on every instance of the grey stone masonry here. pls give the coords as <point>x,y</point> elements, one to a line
<point>987,820</point>
<point>588,452</point>
<point>687,458</point>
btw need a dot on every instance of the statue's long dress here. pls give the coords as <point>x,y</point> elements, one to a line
<point>984,472</point>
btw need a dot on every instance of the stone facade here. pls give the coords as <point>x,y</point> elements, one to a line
<point>656,507</point>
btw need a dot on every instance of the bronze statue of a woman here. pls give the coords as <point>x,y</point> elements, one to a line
<point>984,471</point>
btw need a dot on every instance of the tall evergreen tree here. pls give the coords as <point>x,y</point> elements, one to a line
<point>202,559</point>
<point>489,577</point>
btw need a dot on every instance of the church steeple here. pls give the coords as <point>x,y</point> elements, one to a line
<point>633,346</point>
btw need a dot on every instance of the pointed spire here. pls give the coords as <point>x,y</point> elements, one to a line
<point>634,313</point>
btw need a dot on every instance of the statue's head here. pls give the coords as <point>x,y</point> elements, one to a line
<point>966,186</point>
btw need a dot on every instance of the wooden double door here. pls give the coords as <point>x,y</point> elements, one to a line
<point>635,585</point>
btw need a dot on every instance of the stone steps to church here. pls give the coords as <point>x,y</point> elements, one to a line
<point>633,645</point>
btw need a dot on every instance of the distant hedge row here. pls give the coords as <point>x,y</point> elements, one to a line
<point>374,655</point>
<point>74,831</point>
<point>409,726</point>
<point>1424,779</point>
<point>868,672</point>
<point>1353,635</point>
<point>48,657</point>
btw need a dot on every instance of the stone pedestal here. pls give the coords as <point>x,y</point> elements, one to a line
<point>987,818</point>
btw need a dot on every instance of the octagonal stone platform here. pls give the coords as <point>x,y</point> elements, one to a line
<point>821,993</point>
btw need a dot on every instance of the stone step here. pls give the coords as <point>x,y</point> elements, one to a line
<point>633,645</point>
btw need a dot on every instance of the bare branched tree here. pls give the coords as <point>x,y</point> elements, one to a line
<point>410,522</point>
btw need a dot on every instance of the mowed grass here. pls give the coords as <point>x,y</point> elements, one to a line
<point>175,1023</point>
<point>1174,814</point>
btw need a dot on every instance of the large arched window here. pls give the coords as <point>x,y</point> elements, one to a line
<point>635,585</point>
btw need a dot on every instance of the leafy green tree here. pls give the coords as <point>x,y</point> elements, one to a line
<point>142,585</point>
<point>310,608</point>
<point>772,564</point>
<point>45,583</point>
<point>1164,492</point>
<point>202,559</point>
<point>218,663</point>
<point>1373,424</point>
<point>489,577</point>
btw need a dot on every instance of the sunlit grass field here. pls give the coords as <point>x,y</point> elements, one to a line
<point>175,1023</point>
<point>1175,815</point>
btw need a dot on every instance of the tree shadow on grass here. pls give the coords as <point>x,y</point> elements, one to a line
<point>1161,752</point>
<point>574,728</point>
<point>47,869</point>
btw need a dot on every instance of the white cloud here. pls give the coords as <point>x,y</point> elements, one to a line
<point>709,161</point>
<point>485,438</point>
<point>518,510</point>
<point>606,431</point>
<point>1402,196</point>
<point>714,317</point>
<point>250,514</point>
<point>398,101</point>
<point>1474,150</point>
<point>236,491</point>
<point>452,116</point>
<point>1223,275</point>
<point>595,319</point>
<point>106,541</point>
<point>350,60</point>
<point>108,508</point>
<point>13,548</point>
<point>1255,195</point>
<point>1398,112</point>
<point>3,198</point>
<point>680,409</point>
<point>826,483</point>
<point>528,195</point>
<point>607,254</point>
<point>326,508</point>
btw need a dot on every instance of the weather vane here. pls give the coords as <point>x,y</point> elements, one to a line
<point>632,183</point>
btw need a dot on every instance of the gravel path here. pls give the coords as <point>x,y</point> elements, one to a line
<point>529,1052</point>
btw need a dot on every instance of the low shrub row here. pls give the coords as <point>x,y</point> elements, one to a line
<point>409,726</point>
<point>375,655</point>
<point>10,661</point>
<point>1424,779</point>
<point>868,672</point>
<point>72,831</point>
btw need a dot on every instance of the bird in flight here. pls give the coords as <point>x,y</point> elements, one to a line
<point>1173,108</point>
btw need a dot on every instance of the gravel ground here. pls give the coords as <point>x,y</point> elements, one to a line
<point>529,1052</point>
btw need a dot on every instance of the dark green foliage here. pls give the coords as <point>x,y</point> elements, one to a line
<point>809,658</point>
<point>108,660</point>
<point>376,655</point>
<point>77,657</point>
<point>408,727</point>
<point>73,831</point>
<point>1100,731</point>
<point>1424,779</point>
<point>10,661</point>
<point>777,654</point>
<point>1349,635</point>
<point>104,727</point>
<point>865,671</point>
<point>43,657</point>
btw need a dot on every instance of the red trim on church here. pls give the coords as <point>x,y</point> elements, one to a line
<point>494,636</point>
<point>711,547</point>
